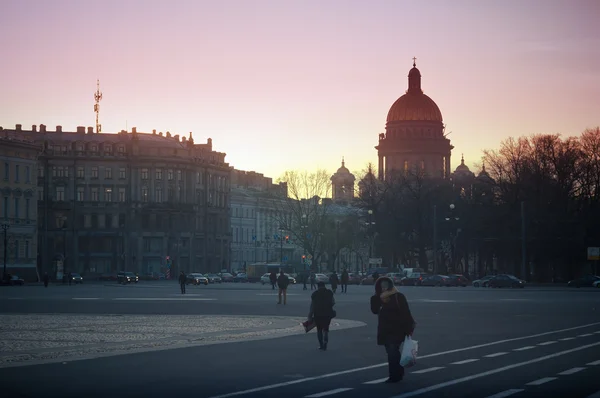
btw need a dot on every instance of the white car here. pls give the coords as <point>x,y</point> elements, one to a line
<point>321,278</point>
<point>596,284</point>
<point>266,278</point>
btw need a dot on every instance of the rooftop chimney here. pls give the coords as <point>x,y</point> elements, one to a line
<point>134,130</point>
<point>154,132</point>
<point>80,129</point>
<point>42,128</point>
<point>18,127</point>
<point>168,134</point>
<point>90,130</point>
<point>59,129</point>
<point>183,138</point>
<point>34,128</point>
<point>160,133</point>
<point>176,136</point>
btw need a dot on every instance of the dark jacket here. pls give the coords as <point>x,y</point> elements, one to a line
<point>283,281</point>
<point>345,277</point>
<point>395,321</point>
<point>322,303</point>
<point>182,279</point>
<point>273,277</point>
<point>333,279</point>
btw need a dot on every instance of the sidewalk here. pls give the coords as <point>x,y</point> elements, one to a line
<point>37,339</point>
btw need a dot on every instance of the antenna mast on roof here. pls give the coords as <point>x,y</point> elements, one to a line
<point>97,97</point>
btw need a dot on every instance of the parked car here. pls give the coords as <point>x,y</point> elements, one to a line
<point>585,281</point>
<point>505,280</point>
<point>13,280</point>
<point>458,280</point>
<point>226,277</point>
<point>196,279</point>
<point>396,278</point>
<point>241,278</point>
<point>414,279</point>
<point>127,277</point>
<point>596,284</point>
<point>214,278</point>
<point>436,280</point>
<point>483,282</point>
<point>321,278</point>
<point>354,279</point>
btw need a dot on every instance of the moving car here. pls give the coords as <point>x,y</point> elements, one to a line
<point>436,280</point>
<point>585,281</point>
<point>214,278</point>
<point>127,277</point>
<point>483,282</point>
<point>196,279</point>
<point>76,278</point>
<point>458,280</point>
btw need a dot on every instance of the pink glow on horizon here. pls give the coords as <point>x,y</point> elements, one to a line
<point>297,85</point>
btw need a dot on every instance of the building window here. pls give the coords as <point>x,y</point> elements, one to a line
<point>108,149</point>
<point>60,194</point>
<point>144,174</point>
<point>406,167</point>
<point>95,172</point>
<point>40,192</point>
<point>17,244</point>
<point>17,208</point>
<point>94,197</point>
<point>94,149</point>
<point>87,220</point>
<point>101,221</point>
<point>40,171</point>
<point>17,172</point>
<point>26,249</point>
<point>122,173</point>
<point>169,174</point>
<point>422,165</point>
<point>80,172</point>
<point>144,194</point>
<point>79,148</point>
<point>178,175</point>
<point>27,209</point>
<point>108,173</point>
<point>27,174</point>
<point>6,171</point>
<point>121,194</point>
<point>80,194</point>
<point>108,194</point>
<point>5,207</point>
<point>121,149</point>
<point>158,174</point>
<point>159,195</point>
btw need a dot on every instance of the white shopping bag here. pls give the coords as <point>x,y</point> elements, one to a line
<point>410,348</point>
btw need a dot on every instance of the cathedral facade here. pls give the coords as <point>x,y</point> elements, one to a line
<point>414,139</point>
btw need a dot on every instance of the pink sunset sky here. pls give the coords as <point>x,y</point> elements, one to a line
<point>284,85</point>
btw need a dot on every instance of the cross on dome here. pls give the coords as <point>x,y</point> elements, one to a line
<point>415,62</point>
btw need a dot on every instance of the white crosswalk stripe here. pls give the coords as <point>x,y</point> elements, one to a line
<point>571,371</point>
<point>506,393</point>
<point>330,392</point>
<point>541,381</point>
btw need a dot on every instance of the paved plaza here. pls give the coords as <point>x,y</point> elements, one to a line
<point>234,340</point>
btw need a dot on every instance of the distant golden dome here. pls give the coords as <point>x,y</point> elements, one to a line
<point>414,105</point>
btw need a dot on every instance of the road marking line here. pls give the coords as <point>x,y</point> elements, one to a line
<point>496,354</point>
<point>162,299</point>
<point>568,338</point>
<point>571,371</point>
<point>529,347</point>
<point>593,363</point>
<point>437,354</point>
<point>275,294</point>
<point>465,361</point>
<point>493,371</point>
<point>598,332</point>
<point>331,392</point>
<point>86,298</point>
<point>16,298</point>
<point>506,393</point>
<point>595,395</point>
<point>418,372</point>
<point>586,335</point>
<point>547,343</point>
<point>376,381</point>
<point>539,382</point>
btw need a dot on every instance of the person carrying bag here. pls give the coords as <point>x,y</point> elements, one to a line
<point>321,313</point>
<point>395,326</point>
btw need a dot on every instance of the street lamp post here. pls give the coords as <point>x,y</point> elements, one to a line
<point>370,224</point>
<point>281,246</point>
<point>5,228</point>
<point>64,228</point>
<point>453,217</point>
<point>267,246</point>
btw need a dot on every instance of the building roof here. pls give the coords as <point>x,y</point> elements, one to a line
<point>414,105</point>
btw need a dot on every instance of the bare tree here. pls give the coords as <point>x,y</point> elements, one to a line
<point>302,212</point>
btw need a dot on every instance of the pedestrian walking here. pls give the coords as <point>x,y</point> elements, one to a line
<point>283,281</point>
<point>333,279</point>
<point>345,280</point>
<point>305,276</point>
<point>395,322</point>
<point>321,312</point>
<point>313,281</point>
<point>273,279</point>
<point>46,279</point>
<point>182,279</point>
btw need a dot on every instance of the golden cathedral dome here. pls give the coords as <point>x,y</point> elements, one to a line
<point>414,105</point>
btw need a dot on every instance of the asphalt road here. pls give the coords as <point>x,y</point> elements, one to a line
<point>472,343</point>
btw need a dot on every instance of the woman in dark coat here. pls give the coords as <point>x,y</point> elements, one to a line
<point>321,311</point>
<point>395,323</point>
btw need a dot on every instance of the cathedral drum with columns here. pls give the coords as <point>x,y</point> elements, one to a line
<point>414,140</point>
